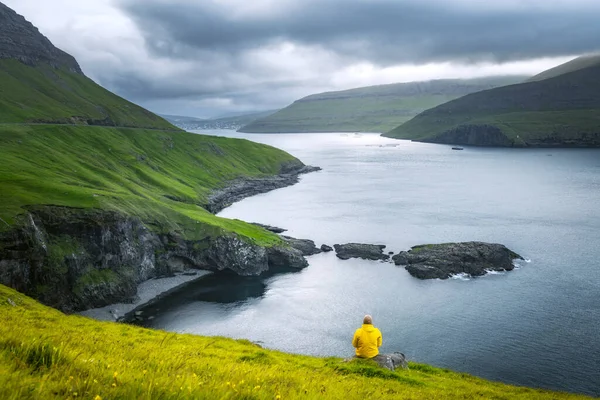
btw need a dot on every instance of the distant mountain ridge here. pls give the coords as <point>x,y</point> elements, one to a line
<point>233,121</point>
<point>372,108</point>
<point>571,66</point>
<point>562,110</point>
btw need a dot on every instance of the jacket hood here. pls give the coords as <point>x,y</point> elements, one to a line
<point>368,327</point>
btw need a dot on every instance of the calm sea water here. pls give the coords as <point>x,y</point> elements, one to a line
<point>537,326</point>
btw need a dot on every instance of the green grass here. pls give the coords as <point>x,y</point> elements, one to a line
<point>45,354</point>
<point>47,94</point>
<point>162,177</point>
<point>561,110</point>
<point>369,109</point>
<point>571,66</point>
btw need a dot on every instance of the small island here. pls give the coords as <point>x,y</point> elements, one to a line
<point>442,261</point>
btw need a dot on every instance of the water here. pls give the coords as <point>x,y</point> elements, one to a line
<point>537,326</point>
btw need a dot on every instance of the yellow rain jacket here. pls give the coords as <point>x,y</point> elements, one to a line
<point>367,339</point>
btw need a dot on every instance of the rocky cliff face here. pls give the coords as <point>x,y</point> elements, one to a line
<point>75,259</point>
<point>21,41</point>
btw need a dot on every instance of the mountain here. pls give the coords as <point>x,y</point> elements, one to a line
<point>571,66</point>
<point>43,84</point>
<point>232,121</point>
<point>98,194</point>
<point>562,110</point>
<point>369,109</point>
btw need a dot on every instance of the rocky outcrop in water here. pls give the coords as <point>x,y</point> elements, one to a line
<point>75,259</point>
<point>441,261</point>
<point>246,187</point>
<point>359,250</point>
<point>326,249</point>
<point>307,247</point>
<point>20,40</point>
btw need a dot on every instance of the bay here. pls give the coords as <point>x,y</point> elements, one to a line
<point>536,326</point>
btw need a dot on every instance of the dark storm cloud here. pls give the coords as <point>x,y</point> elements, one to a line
<point>382,32</point>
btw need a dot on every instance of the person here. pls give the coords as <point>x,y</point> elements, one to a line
<point>367,339</point>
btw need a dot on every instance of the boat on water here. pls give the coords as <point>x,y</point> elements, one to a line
<point>457,148</point>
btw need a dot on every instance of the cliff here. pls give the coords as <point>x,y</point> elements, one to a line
<point>99,194</point>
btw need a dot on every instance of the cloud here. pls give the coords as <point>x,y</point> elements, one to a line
<point>384,32</point>
<point>207,57</point>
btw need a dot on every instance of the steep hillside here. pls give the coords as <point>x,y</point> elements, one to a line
<point>571,66</point>
<point>369,109</point>
<point>40,83</point>
<point>559,111</point>
<point>47,355</point>
<point>87,212</point>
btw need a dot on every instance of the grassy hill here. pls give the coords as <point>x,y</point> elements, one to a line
<point>562,110</point>
<point>571,66</point>
<point>90,163</point>
<point>369,109</point>
<point>44,94</point>
<point>45,354</point>
<point>162,177</point>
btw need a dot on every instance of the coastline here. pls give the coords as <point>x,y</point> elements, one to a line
<point>147,292</point>
<point>239,189</point>
<point>154,289</point>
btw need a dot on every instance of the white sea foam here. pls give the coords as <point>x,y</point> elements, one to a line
<point>462,276</point>
<point>492,272</point>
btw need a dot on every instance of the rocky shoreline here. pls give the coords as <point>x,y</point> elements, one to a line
<point>79,259</point>
<point>241,188</point>
<point>147,293</point>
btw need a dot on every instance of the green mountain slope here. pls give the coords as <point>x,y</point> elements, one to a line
<point>46,94</point>
<point>47,355</point>
<point>81,165</point>
<point>560,111</point>
<point>571,66</point>
<point>369,109</point>
<point>162,177</point>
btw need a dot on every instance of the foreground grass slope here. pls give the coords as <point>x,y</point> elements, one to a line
<point>562,110</point>
<point>162,177</point>
<point>369,109</point>
<point>45,354</point>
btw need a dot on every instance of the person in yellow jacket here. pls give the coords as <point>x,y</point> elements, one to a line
<point>367,339</point>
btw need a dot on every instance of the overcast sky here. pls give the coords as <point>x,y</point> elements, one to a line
<point>209,57</point>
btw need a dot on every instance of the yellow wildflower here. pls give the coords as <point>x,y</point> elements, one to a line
<point>257,387</point>
<point>97,397</point>
<point>115,374</point>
